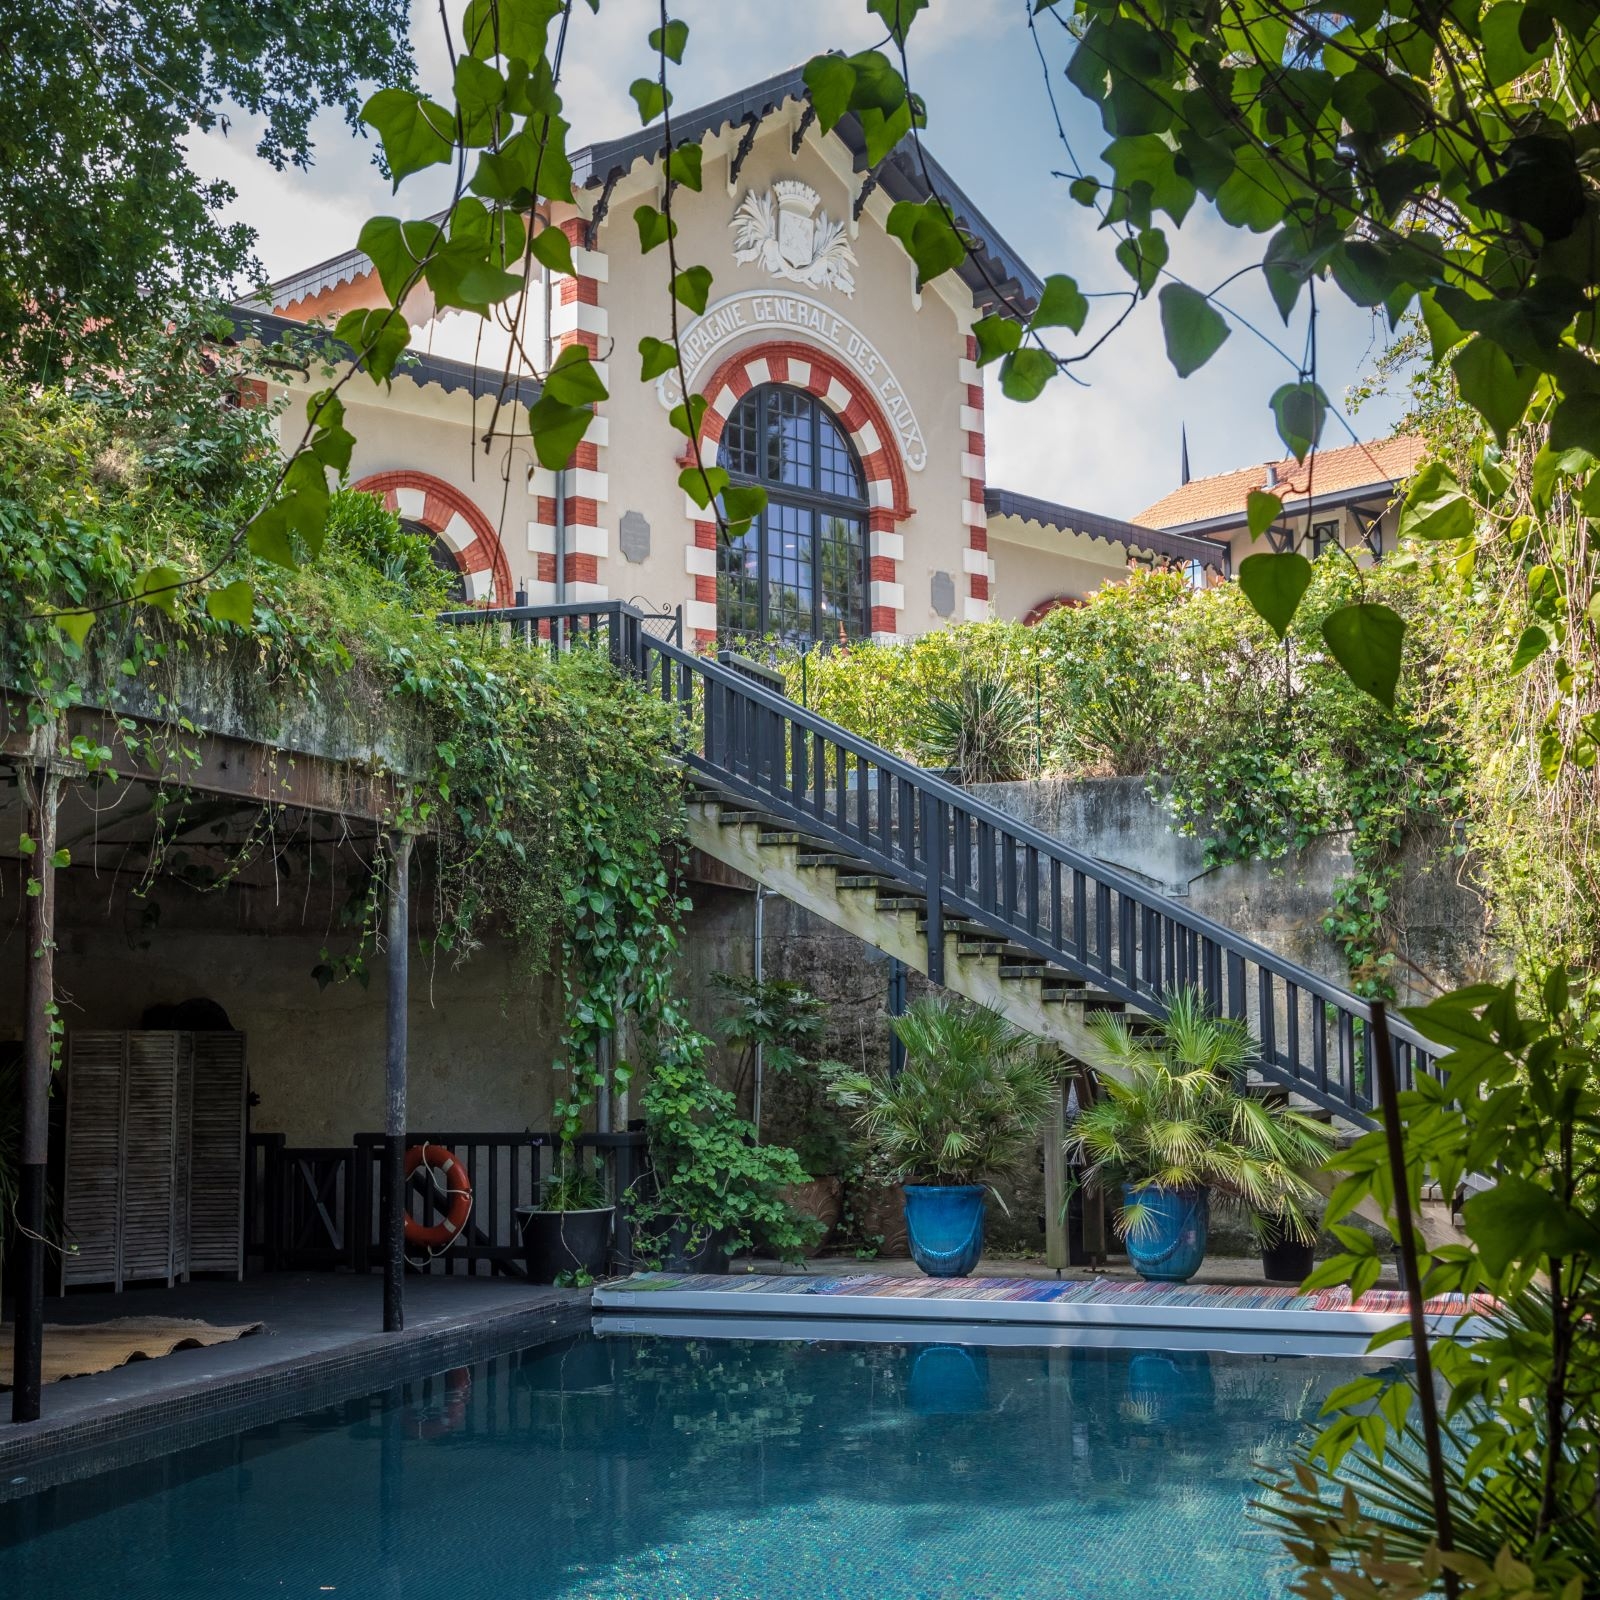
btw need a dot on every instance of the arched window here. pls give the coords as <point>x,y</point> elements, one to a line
<point>444,558</point>
<point>800,570</point>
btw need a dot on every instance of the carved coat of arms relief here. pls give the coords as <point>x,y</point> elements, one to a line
<point>783,231</point>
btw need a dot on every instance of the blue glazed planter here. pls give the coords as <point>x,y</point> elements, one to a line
<point>944,1226</point>
<point>1171,1245</point>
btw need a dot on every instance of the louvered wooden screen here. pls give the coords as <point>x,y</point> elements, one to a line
<point>92,1194</point>
<point>155,1145</point>
<point>217,1159</point>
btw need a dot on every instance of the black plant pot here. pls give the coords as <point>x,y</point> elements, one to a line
<point>1287,1261</point>
<point>681,1253</point>
<point>566,1241</point>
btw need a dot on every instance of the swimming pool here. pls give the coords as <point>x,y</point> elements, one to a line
<point>673,1469</point>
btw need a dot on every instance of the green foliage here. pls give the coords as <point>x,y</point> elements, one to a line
<point>1518,1105</point>
<point>982,733</point>
<point>1173,1116</point>
<point>968,1104</point>
<point>711,1176</point>
<point>1260,747</point>
<point>107,225</point>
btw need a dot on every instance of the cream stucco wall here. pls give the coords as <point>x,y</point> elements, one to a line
<point>923,344</point>
<point>1030,563</point>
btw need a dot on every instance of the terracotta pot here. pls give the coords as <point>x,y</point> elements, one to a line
<point>822,1198</point>
<point>881,1210</point>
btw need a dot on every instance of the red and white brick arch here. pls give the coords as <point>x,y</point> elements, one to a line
<point>443,509</point>
<point>576,317</point>
<point>847,395</point>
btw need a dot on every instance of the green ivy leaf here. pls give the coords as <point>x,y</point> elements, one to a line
<point>552,249</point>
<point>1575,424</point>
<point>1274,585</point>
<point>75,624</point>
<point>1060,305</point>
<point>557,430</point>
<point>1300,409</point>
<point>702,486</point>
<point>1194,328</point>
<point>515,29</point>
<point>897,15</point>
<point>831,81</point>
<point>1435,507</point>
<point>1533,644</point>
<point>1143,258</point>
<point>883,130</point>
<point>742,502</point>
<point>1493,385</point>
<point>683,166</point>
<point>650,98</point>
<point>416,132</point>
<point>655,227</point>
<point>669,41</point>
<point>686,415</point>
<point>692,287</point>
<point>1261,509</point>
<point>158,587</point>
<point>397,250</point>
<point>382,334</point>
<point>1025,372</point>
<point>1367,640</point>
<point>572,378</point>
<point>997,336</point>
<point>234,602</point>
<point>657,356</point>
<point>925,232</point>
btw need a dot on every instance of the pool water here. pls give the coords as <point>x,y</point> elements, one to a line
<point>667,1469</point>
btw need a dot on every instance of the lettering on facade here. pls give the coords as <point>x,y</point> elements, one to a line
<point>758,311</point>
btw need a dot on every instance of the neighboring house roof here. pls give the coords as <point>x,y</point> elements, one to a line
<point>451,376</point>
<point>997,273</point>
<point>1091,525</point>
<point>1327,478</point>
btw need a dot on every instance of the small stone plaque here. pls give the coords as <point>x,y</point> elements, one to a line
<point>943,594</point>
<point>633,537</point>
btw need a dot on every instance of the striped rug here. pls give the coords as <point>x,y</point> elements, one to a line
<point>1071,1291</point>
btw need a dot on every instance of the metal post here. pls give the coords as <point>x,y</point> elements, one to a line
<point>1055,1184</point>
<point>394,1116</point>
<point>897,1008</point>
<point>760,965</point>
<point>37,1009</point>
<point>933,852</point>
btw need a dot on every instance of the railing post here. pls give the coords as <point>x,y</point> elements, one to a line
<point>933,827</point>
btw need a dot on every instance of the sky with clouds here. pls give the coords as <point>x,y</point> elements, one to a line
<point>1109,444</point>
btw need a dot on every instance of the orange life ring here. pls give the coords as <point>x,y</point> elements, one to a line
<point>458,1186</point>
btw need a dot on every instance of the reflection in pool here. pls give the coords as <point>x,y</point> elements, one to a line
<point>667,1469</point>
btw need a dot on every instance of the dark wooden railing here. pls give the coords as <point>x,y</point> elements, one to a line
<point>318,1208</point>
<point>1119,938</point>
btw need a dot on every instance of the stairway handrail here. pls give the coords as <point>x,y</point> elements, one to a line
<point>955,797</point>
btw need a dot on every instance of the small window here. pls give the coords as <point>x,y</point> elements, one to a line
<point>1324,537</point>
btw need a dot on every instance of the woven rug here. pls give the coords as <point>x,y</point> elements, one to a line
<point>1065,1291</point>
<point>76,1350</point>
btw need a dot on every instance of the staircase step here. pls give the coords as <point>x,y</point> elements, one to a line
<point>782,836</point>
<point>828,859</point>
<point>1024,969</point>
<point>901,902</point>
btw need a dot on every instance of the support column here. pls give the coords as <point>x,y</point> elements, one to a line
<point>44,793</point>
<point>897,1008</point>
<point>394,1116</point>
<point>1055,1187</point>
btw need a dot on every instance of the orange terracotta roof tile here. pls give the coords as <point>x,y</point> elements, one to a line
<point>1328,472</point>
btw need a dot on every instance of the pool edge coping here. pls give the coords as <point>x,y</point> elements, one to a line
<point>42,1455</point>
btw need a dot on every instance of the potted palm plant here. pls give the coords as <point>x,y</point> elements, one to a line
<point>965,1109</point>
<point>1175,1127</point>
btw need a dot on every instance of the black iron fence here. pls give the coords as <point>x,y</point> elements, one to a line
<point>1115,937</point>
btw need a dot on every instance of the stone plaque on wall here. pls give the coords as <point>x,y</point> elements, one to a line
<point>943,594</point>
<point>633,536</point>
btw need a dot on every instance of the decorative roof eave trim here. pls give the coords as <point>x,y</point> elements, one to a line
<point>439,372</point>
<point>1111,530</point>
<point>1298,507</point>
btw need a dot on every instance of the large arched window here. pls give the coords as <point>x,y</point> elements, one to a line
<point>800,570</point>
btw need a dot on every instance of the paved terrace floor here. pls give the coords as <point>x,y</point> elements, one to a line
<point>320,1341</point>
